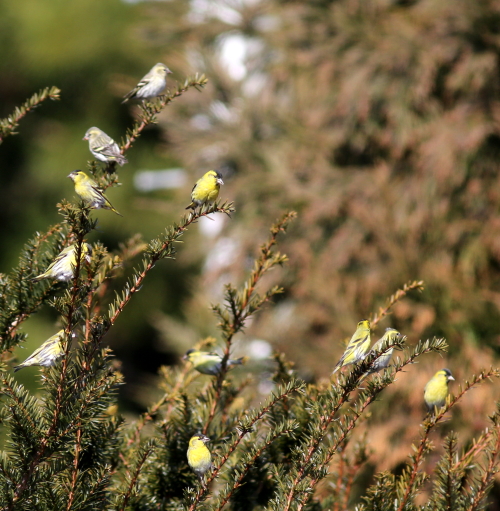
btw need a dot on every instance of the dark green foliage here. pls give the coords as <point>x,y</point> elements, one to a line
<point>66,448</point>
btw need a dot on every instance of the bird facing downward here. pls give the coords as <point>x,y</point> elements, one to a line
<point>206,362</point>
<point>383,360</point>
<point>198,456</point>
<point>151,84</point>
<point>63,266</point>
<point>206,189</point>
<point>436,390</point>
<point>103,147</point>
<point>358,346</point>
<point>47,354</point>
<point>88,190</point>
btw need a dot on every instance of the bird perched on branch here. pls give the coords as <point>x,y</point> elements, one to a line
<point>47,354</point>
<point>383,360</point>
<point>358,346</point>
<point>88,190</point>
<point>103,147</point>
<point>436,390</point>
<point>198,455</point>
<point>206,189</point>
<point>63,266</point>
<point>206,362</point>
<point>151,84</point>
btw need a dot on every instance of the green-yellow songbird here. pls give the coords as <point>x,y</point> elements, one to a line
<point>206,189</point>
<point>63,266</point>
<point>383,360</point>
<point>207,362</point>
<point>358,346</point>
<point>47,354</point>
<point>436,390</point>
<point>88,190</point>
<point>198,455</point>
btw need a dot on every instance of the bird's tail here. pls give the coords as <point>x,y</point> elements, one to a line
<point>121,160</point>
<point>237,361</point>
<point>191,206</point>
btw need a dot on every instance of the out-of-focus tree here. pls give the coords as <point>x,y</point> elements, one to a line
<point>378,123</point>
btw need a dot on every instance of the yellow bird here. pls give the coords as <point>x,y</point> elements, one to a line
<point>358,346</point>
<point>383,360</point>
<point>206,362</point>
<point>47,354</point>
<point>206,189</point>
<point>198,456</point>
<point>63,267</point>
<point>88,190</point>
<point>436,390</point>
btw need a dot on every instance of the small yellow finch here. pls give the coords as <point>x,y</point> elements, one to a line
<point>436,390</point>
<point>198,456</point>
<point>63,267</point>
<point>151,84</point>
<point>207,362</point>
<point>383,360</point>
<point>47,354</point>
<point>103,147</point>
<point>88,190</point>
<point>206,189</point>
<point>358,346</point>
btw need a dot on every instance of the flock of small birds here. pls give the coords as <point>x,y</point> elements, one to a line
<point>205,190</point>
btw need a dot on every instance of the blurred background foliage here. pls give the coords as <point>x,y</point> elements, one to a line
<point>377,121</point>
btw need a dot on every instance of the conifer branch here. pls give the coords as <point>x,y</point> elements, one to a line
<point>10,123</point>
<point>428,425</point>
<point>243,428</point>
<point>80,232</point>
<point>153,410</point>
<point>74,476</point>
<point>142,457</point>
<point>150,109</point>
<point>250,459</point>
<point>398,295</point>
<point>490,471</point>
<point>161,249</point>
<point>347,385</point>
<point>241,305</point>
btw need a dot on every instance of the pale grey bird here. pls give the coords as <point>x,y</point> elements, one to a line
<point>103,147</point>
<point>383,361</point>
<point>151,85</point>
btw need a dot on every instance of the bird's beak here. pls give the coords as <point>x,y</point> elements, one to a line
<point>185,357</point>
<point>85,138</point>
<point>451,378</point>
<point>219,181</point>
<point>70,175</point>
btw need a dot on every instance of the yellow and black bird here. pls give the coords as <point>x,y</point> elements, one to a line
<point>436,390</point>
<point>207,362</point>
<point>206,189</point>
<point>88,190</point>
<point>358,346</point>
<point>47,354</point>
<point>63,266</point>
<point>198,455</point>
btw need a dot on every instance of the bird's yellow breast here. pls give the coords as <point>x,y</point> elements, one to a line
<point>198,455</point>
